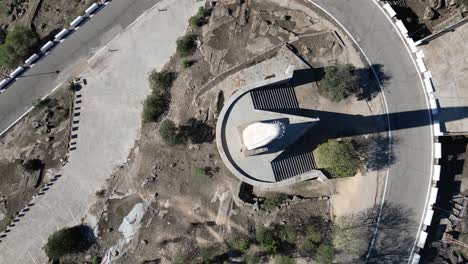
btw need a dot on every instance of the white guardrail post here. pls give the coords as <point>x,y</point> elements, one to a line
<point>59,37</point>
<point>429,88</point>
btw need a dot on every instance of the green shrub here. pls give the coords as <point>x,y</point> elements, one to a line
<point>252,259</point>
<point>202,12</point>
<point>101,193</point>
<point>313,235</point>
<point>312,240</point>
<point>42,103</point>
<point>338,158</point>
<point>186,45</point>
<point>274,201</point>
<point>206,255</point>
<point>282,259</point>
<point>182,259</point>
<point>153,107</point>
<point>196,21</point>
<point>169,133</point>
<point>160,81</point>
<point>200,172</point>
<point>325,254</point>
<point>186,63</point>
<point>199,19</point>
<point>19,44</point>
<point>338,82</point>
<point>288,233</point>
<point>96,260</point>
<point>68,240</point>
<point>239,243</point>
<point>267,240</point>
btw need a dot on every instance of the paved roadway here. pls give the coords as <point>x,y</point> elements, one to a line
<point>69,57</point>
<point>409,176</point>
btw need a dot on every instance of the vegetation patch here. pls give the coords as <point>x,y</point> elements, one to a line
<point>282,259</point>
<point>160,81</point>
<point>169,133</point>
<point>19,43</point>
<point>187,63</point>
<point>339,82</point>
<point>200,18</point>
<point>267,240</point>
<point>69,240</point>
<point>156,104</point>
<point>186,45</point>
<point>271,202</point>
<point>339,159</point>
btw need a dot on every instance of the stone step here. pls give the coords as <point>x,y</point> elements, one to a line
<point>291,166</point>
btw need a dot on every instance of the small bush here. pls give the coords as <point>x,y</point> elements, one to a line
<point>281,259</point>
<point>101,193</point>
<point>312,240</point>
<point>252,259</point>
<point>200,172</point>
<point>199,19</point>
<point>68,240</point>
<point>33,165</point>
<point>267,240</point>
<point>288,233</point>
<point>186,45</point>
<point>169,133</point>
<point>274,201</point>
<point>196,21</point>
<point>7,220</point>
<point>19,44</point>
<point>325,254</point>
<point>182,259</point>
<point>338,158</point>
<point>186,63</point>
<point>239,243</point>
<point>338,82</point>
<point>153,107</point>
<point>206,255</point>
<point>42,103</point>
<point>160,81</point>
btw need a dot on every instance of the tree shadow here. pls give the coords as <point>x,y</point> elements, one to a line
<point>395,233</point>
<point>375,151</point>
<point>197,131</point>
<point>368,85</point>
<point>395,237</point>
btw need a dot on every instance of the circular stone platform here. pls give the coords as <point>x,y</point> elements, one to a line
<point>256,131</point>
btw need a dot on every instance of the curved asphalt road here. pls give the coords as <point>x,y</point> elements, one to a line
<point>69,57</point>
<point>410,173</point>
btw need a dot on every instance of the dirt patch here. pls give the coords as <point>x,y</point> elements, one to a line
<point>192,199</point>
<point>33,151</point>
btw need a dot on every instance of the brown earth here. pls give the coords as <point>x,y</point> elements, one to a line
<point>192,200</point>
<point>43,135</point>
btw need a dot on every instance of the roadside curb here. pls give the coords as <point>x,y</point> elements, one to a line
<point>418,55</point>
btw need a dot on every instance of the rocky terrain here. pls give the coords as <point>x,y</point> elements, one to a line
<point>32,152</point>
<point>172,204</point>
<point>423,17</point>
